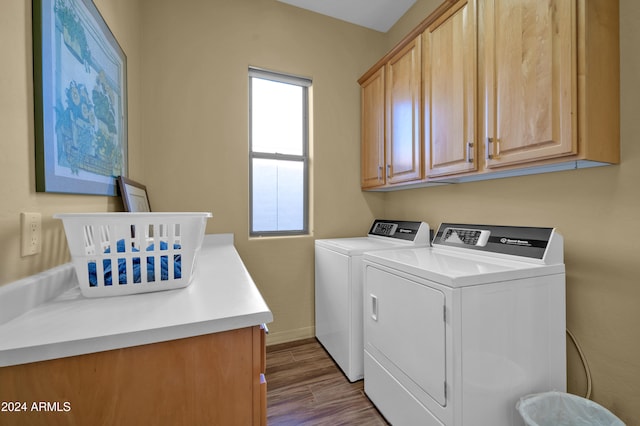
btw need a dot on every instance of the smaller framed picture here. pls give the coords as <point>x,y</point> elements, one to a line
<point>134,195</point>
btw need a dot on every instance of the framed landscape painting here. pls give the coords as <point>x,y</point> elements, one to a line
<point>80,99</point>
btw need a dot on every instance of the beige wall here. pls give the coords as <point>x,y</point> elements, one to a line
<point>17,166</point>
<point>188,142</point>
<point>196,54</point>
<point>598,213</point>
<point>187,65</point>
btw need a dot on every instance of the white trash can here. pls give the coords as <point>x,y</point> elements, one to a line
<point>564,409</point>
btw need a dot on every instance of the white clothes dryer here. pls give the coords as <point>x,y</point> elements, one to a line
<point>338,287</point>
<point>455,334</point>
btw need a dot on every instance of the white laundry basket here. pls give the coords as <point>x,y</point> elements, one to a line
<point>126,253</point>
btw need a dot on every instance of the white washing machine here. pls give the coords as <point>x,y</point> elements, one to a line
<point>338,287</point>
<point>455,334</point>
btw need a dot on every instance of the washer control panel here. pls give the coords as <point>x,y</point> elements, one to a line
<point>384,228</point>
<point>414,232</point>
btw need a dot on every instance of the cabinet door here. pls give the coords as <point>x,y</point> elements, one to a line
<point>449,79</point>
<point>260,382</point>
<point>202,380</point>
<point>530,88</point>
<point>372,149</point>
<point>403,147</point>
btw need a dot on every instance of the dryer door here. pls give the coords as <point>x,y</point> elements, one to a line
<point>405,331</point>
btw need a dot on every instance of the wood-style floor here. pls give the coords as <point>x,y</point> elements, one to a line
<point>306,387</point>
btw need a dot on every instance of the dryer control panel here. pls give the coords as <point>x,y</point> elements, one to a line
<point>522,241</point>
<point>472,237</point>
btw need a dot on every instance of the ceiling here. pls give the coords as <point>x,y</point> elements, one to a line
<point>379,15</point>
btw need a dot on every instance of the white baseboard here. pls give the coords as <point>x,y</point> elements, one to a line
<point>274,338</point>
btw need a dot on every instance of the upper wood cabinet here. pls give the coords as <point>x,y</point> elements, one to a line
<point>391,146</point>
<point>372,160</point>
<point>509,87</point>
<point>530,80</point>
<point>449,85</point>
<point>403,141</point>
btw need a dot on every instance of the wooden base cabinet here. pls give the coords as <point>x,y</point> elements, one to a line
<point>214,379</point>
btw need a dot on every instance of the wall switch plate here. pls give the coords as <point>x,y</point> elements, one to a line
<point>31,233</point>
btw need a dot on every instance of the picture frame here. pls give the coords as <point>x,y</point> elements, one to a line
<point>80,99</point>
<point>134,195</point>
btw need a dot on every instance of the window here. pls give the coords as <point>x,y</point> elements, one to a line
<point>278,153</point>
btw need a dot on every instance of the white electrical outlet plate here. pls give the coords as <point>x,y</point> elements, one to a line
<point>31,233</point>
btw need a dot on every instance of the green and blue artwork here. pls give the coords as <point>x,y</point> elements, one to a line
<point>80,99</point>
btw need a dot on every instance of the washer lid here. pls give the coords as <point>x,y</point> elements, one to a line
<point>453,269</point>
<point>383,235</point>
<point>358,245</point>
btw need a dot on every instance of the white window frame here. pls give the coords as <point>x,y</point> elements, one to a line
<point>305,83</point>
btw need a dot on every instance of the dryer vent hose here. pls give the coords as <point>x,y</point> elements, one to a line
<point>584,363</point>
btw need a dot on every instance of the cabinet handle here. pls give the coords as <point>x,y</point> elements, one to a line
<point>374,307</point>
<point>388,170</point>
<point>489,142</point>
<point>495,153</point>
<point>469,152</point>
<point>380,172</point>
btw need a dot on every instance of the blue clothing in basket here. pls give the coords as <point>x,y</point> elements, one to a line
<point>122,266</point>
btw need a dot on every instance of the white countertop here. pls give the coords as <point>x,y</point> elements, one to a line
<point>61,322</point>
